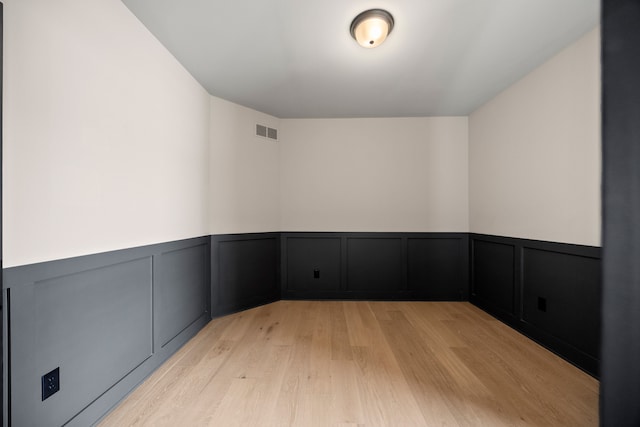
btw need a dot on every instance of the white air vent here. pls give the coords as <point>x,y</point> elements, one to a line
<point>266,132</point>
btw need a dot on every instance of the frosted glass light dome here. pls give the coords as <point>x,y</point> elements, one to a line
<point>371,27</point>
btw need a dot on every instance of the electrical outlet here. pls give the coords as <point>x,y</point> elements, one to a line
<point>542,304</point>
<point>316,273</point>
<point>50,383</point>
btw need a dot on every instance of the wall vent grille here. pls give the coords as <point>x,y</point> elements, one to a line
<point>266,132</point>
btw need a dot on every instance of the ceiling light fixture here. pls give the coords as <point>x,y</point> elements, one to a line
<point>371,27</point>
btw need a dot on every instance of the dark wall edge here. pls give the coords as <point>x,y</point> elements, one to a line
<point>2,328</point>
<point>620,385</point>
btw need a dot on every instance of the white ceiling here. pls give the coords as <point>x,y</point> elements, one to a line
<point>296,58</point>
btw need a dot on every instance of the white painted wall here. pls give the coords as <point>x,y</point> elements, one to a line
<point>109,143</point>
<point>385,174</point>
<point>244,177</point>
<point>105,134</point>
<point>534,152</point>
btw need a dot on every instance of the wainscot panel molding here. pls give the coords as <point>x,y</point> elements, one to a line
<point>106,321</point>
<point>245,271</point>
<point>548,291</point>
<point>376,266</point>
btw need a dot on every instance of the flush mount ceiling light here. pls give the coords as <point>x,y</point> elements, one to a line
<point>371,27</point>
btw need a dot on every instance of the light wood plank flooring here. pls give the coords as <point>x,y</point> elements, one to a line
<point>330,363</point>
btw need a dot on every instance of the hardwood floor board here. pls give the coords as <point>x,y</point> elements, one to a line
<point>514,408</point>
<point>179,374</point>
<point>498,360</point>
<point>380,362</point>
<point>290,315</point>
<point>468,384</point>
<point>319,374</point>
<point>237,407</point>
<point>386,395</point>
<point>201,396</point>
<point>263,369</point>
<point>204,405</point>
<point>380,309</point>
<point>345,400</point>
<point>184,357</point>
<point>505,380</point>
<point>359,321</point>
<point>443,341</point>
<point>306,320</point>
<point>145,407</point>
<point>525,350</point>
<point>428,380</point>
<point>248,360</point>
<point>289,401</point>
<point>200,344</point>
<point>522,350</point>
<point>240,322</point>
<point>272,381</point>
<point>340,345</point>
<point>292,402</point>
<point>319,363</point>
<point>476,395</point>
<point>259,401</point>
<point>362,324</point>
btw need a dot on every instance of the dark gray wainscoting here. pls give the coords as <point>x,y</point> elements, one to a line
<point>396,266</point>
<point>244,271</point>
<point>106,320</point>
<point>548,291</point>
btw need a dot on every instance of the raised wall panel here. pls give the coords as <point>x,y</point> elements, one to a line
<point>406,266</point>
<point>374,264</point>
<point>570,285</point>
<point>310,257</point>
<point>181,291</point>
<point>494,274</point>
<point>94,317</point>
<point>245,271</point>
<point>553,290</point>
<point>437,268</point>
<point>95,325</point>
